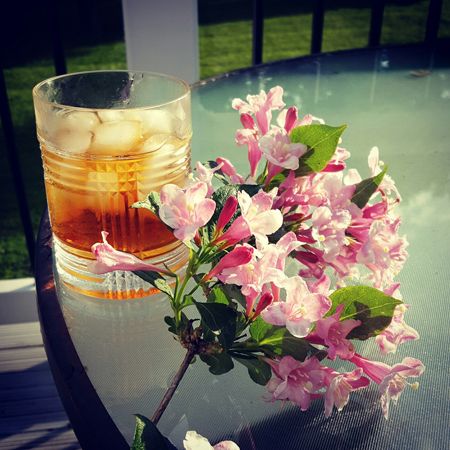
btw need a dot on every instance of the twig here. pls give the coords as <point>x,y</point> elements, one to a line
<point>173,386</point>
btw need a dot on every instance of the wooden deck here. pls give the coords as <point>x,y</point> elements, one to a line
<point>31,413</point>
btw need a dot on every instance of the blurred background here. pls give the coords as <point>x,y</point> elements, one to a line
<point>92,35</point>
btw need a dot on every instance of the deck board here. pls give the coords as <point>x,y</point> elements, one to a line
<point>31,413</point>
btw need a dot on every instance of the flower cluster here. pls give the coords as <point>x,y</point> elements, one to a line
<point>274,240</point>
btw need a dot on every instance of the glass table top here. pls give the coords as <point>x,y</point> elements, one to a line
<point>397,99</point>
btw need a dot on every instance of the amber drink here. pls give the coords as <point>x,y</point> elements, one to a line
<point>109,138</point>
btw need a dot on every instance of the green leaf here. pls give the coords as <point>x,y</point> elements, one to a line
<point>152,203</point>
<point>218,296</point>
<point>172,324</point>
<point>220,319</point>
<point>369,305</point>
<point>147,436</point>
<point>219,363</point>
<point>258,370</point>
<point>259,329</point>
<point>188,300</point>
<point>321,140</point>
<point>276,180</point>
<point>366,188</point>
<point>183,325</point>
<point>156,280</point>
<point>278,341</point>
<point>283,343</point>
<point>241,324</point>
<point>234,293</point>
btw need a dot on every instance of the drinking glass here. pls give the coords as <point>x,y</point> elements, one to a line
<point>107,139</point>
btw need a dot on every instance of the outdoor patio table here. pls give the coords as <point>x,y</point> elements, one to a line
<point>111,359</point>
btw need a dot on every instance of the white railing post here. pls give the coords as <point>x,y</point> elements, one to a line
<point>162,36</point>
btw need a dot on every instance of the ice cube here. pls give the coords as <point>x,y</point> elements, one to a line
<point>153,143</point>
<point>158,121</point>
<point>116,138</point>
<point>183,127</point>
<point>72,141</point>
<point>114,115</point>
<point>79,120</point>
<point>110,115</point>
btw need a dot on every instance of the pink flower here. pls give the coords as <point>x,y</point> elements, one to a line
<point>290,194</point>
<point>328,228</point>
<point>250,138</point>
<point>337,163</point>
<point>185,211</point>
<point>280,152</point>
<point>265,300</point>
<point>339,388</point>
<point>206,175</point>
<point>290,118</point>
<point>258,213</point>
<point>227,213</point>
<point>194,441</point>
<point>300,310</point>
<point>241,254</point>
<point>261,106</point>
<point>332,332</point>
<point>247,121</point>
<point>375,165</point>
<point>308,119</point>
<point>284,247</point>
<point>391,380</point>
<point>384,251</point>
<point>229,170</point>
<point>257,218</point>
<point>296,381</point>
<point>253,276</point>
<point>397,332</point>
<point>109,259</point>
<point>320,286</point>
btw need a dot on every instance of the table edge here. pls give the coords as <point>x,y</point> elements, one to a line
<point>91,422</point>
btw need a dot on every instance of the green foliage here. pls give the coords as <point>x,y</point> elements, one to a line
<point>258,370</point>
<point>321,140</point>
<point>366,188</point>
<point>183,324</point>
<point>217,295</point>
<point>234,293</point>
<point>277,341</point>
<point>152,203</point>
<point>369,305</point>
<point>172,324</point>
<point>220,319</point>
<point>156,280</point>
<point>147,436</point>
<point>219,363</point>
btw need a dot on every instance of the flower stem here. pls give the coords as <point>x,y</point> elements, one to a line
<point>173,386</point>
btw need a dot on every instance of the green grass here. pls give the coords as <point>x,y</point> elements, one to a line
<point>223,47</point>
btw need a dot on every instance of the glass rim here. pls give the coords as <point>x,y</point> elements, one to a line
<point>39,96</point>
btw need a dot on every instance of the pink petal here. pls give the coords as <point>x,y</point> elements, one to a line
<point>227,213</point>
<point>226,445</point>
<point>108,259</point>
<point>291,118</point>
<point>237,257</point>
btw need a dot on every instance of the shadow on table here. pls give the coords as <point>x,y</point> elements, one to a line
<point>292,429</point>
<point>31,413</point>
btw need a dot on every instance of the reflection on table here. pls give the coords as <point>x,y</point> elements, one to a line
<point>397,99</point>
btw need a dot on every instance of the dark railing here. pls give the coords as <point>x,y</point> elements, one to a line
<point>376,25</point>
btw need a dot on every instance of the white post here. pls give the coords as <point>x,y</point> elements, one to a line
<point>162,36</point>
